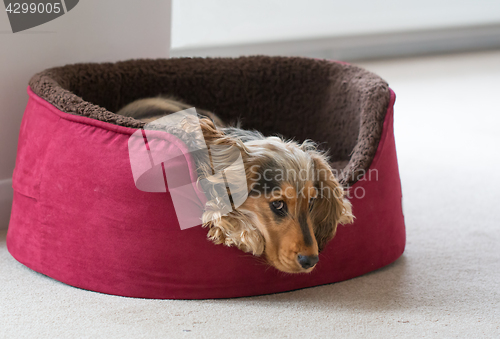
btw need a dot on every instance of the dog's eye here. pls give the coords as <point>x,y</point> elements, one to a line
<point>278,207</point>
<point>278,204</point>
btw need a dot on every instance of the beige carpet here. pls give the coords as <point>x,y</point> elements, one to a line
<point>447,284</point>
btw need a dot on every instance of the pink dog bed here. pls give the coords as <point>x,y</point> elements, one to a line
<point>78,217</point>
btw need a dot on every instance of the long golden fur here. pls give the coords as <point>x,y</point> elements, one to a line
<point>294,203</point>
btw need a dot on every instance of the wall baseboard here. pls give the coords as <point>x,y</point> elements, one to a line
<point>6,194</point>
<point>367,46</point>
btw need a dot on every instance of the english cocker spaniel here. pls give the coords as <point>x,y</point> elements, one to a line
<point>294,201</point>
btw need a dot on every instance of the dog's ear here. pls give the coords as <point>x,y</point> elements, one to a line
<point>330,207</point>
<point>235,229</point>
<point>227,225</point>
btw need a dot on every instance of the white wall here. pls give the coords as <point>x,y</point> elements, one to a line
<point>207,23</point>
<point>92,31</point>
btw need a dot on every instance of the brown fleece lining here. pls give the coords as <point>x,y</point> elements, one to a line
<point>340,106</point>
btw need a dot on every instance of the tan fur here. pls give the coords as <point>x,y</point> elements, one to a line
<point>254,227</point>
<point>166,104</point>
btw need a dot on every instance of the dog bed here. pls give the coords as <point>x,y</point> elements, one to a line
<point>78,217</point>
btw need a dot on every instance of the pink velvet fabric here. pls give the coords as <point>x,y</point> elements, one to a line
<point>78,217</point>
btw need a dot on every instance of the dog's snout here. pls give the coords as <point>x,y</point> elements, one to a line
<point>307,261</point>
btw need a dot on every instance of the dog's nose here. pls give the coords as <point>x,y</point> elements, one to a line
<point>307,261</point>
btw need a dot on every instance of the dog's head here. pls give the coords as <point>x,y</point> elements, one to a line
<point>293,207</point>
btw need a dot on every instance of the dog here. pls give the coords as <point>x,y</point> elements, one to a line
<point>294,201</point>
